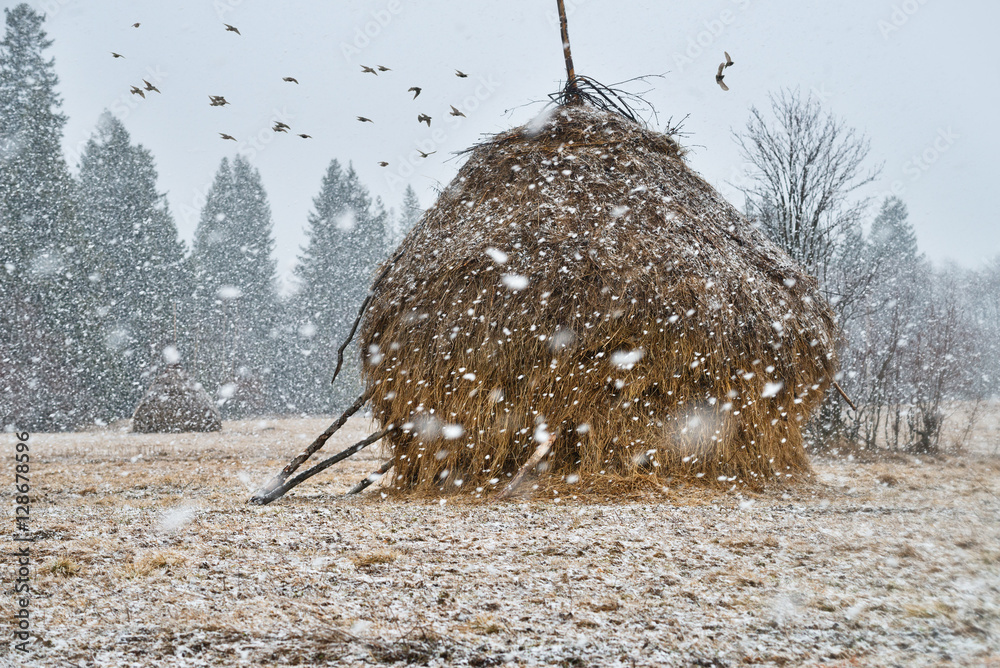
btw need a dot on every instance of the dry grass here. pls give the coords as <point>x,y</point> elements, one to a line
<point>375,558</point>
<point>813,574</point>
<point>152,562</point>
<point>63,567</point>
<point>650,318</point>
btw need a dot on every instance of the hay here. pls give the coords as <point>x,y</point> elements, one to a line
<point>578,282</point>
<point>175,403</point>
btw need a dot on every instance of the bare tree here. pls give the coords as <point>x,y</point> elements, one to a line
<point>805,167</point>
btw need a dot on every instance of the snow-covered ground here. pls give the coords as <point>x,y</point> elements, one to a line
<point>148,554</point>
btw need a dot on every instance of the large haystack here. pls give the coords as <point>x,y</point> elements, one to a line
<point>175,403</point>
<point>578,280</point>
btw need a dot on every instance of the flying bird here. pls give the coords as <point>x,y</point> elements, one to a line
<point>277,127</point>
<point>365,120</point>
<point>383,68</point>
<point>424,155</point>
<point>117,55</point>
<point>424,118</point>
<point>306,136</point>
<point>460,74</point>
<point>137,91</point>
<point>150,86</point>
<point>230,28</point>
<point>456,112</point>
<point>719,78</point>
<point>290,80</point>
<point>225,136</point>
<point>217,101</point>
<point>415,90</point>
<point>729,61</point>
<point>383,163</point>
<point>279,124</point>
<point>367,70</point>
<point>135,25</point>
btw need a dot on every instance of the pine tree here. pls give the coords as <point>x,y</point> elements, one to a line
<point>347,239</point>
<point>892,239</point>
<point>232,328</point>
<point>408,217</point>
<point>134,263</point>
<point>42,343</point>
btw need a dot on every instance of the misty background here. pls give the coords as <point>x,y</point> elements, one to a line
<point>134,235</point>
<point>914,76</point>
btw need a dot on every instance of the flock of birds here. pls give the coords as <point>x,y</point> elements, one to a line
<point>416,90</point>
<point>221,101</point>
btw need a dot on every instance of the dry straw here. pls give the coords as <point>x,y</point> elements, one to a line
<point>175,403</point>
<point>578,284</point>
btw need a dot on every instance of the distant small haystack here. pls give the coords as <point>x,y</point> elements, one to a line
<point>175,403</point>
<point>578,284</point>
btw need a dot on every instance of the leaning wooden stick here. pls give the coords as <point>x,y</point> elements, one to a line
<point>263,500</point>
<point>361,312</point>
<point>320,441</point>
<point>536,456</point>
<point>844,395</point>
<point>371,477</point>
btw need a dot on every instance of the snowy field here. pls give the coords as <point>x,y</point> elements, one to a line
<point>147,554</point>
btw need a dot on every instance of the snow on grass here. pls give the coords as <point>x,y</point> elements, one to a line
<point>868,564</point>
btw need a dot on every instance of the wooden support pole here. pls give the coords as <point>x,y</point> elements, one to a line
<point>361,312</point>
<point>844,395</point>
<point>263,500</point>
<point>533,460</point>
<point>277,481</point>
<point>371,477</point>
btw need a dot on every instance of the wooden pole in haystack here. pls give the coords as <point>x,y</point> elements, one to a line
<point>572,95</point>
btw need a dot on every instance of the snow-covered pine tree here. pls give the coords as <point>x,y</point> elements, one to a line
<point>134,263</point>
<point>42,342</point>
<point>347,241</point>
<point>233,311</point>
<point>409,214</point>
<point>892,239</point>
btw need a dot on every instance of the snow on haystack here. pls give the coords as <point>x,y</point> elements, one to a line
<point>175,403</point>
<point>586,229</point>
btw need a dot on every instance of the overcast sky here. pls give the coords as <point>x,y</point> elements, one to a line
<point>918,76</point>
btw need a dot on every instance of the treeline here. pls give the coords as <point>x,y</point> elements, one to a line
<point>98,292</point>
<point>920,352</point>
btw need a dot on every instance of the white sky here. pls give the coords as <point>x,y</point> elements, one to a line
<point>909,73</point>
